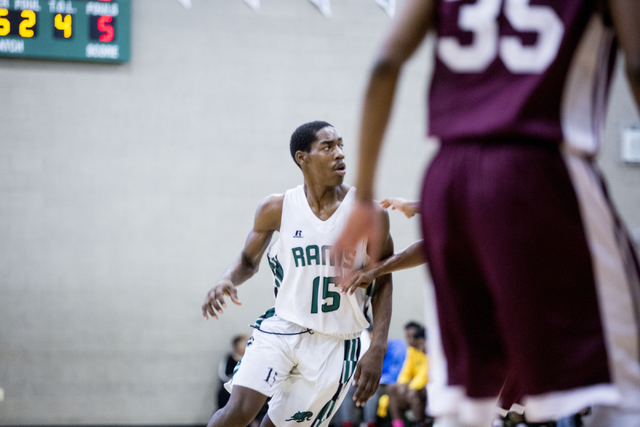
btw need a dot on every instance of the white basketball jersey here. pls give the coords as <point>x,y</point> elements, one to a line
<point>304,270</point>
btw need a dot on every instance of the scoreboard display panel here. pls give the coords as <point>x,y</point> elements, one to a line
<point>78,30</point>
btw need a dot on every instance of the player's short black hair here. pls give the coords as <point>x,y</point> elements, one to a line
<point>304,136</point>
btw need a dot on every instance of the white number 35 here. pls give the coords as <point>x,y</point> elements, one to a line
<point>481,19</point>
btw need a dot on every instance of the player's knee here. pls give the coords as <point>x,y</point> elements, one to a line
<point>240,411</point>
<point>231,416</point>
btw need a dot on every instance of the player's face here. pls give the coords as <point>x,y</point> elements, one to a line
<point>327,158</point>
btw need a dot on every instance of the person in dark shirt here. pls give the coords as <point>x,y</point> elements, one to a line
<point>225,369</point>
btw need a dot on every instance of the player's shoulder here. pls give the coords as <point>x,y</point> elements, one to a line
<point>272,201</point>
<point>269,212</point>
<point>383,213</point>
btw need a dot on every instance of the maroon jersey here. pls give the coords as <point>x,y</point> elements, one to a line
<point>531,68</point>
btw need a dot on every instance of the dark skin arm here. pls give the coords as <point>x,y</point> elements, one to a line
<point>369,369</point>
<point>407,32</point>
<point>626,16</point>
<point>267,220</point>
<point>409,257</point>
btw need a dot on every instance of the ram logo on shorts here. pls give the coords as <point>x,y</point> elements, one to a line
<point>301,416</point>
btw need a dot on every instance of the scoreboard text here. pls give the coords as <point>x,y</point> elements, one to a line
<point>66,29</point>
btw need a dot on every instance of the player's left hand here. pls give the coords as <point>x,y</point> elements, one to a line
<point>356,279</point>
<point>367,376</point>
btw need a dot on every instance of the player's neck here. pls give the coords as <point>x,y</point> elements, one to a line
<point>324,200</point>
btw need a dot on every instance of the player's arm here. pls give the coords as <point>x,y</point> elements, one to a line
<point>626,16</point>
<point>408,30</point>
<point>369,369</point>
<point>409,257</point>
<point>267,220</point>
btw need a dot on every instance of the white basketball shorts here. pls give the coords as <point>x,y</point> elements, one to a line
<point>305,373</point>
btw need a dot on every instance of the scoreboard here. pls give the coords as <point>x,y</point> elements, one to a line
<point>78,30</point>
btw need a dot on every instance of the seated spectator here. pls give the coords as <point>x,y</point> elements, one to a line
<point>410,390</point>
<point>391,367</point>
<point>225,369</point>
<point>393,360</point>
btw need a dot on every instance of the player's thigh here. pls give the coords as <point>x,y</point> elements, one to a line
<point>530,240</point>
<point>267,361</point>
<point>470,336</point>
<point>317,386</point>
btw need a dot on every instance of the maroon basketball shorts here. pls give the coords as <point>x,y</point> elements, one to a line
<point>535,280</point>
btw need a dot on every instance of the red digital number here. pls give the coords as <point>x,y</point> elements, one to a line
<point>104,27</point>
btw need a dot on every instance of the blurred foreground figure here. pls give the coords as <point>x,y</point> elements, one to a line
<point>535,278</point>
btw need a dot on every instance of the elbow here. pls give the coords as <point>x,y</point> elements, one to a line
<point>385,66</point>
<point>249,265</point>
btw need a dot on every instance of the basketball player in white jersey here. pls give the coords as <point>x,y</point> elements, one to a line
<point>304,352</point>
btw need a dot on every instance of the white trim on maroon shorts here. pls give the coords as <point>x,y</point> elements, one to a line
<point>616,278</point>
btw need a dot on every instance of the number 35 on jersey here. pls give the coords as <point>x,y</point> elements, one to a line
<point>488,44</point>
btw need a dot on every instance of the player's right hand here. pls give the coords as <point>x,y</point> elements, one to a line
<point>363,223</point>
<point>214,302</point>
<point>408,208</point>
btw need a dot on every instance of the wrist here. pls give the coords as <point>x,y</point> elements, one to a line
<point>364,195</point>
<point>378,348</point>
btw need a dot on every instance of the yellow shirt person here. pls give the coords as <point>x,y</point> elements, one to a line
<point>414,370</point>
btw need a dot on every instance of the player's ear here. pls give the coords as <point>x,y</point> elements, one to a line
<point>301,157</point>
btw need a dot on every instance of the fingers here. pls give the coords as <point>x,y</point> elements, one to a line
<point>353,281</point>
<point>367,384</point>
<point>207,311</point>
<point>210,306</point>
<point>347,282</point>
<point>361,281</point>
<point>214,303</point>
<point>356,376</point>
<point>392,203</point>
<point>233,294</point>
<point>355,285</point>
<point>403,205</point>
